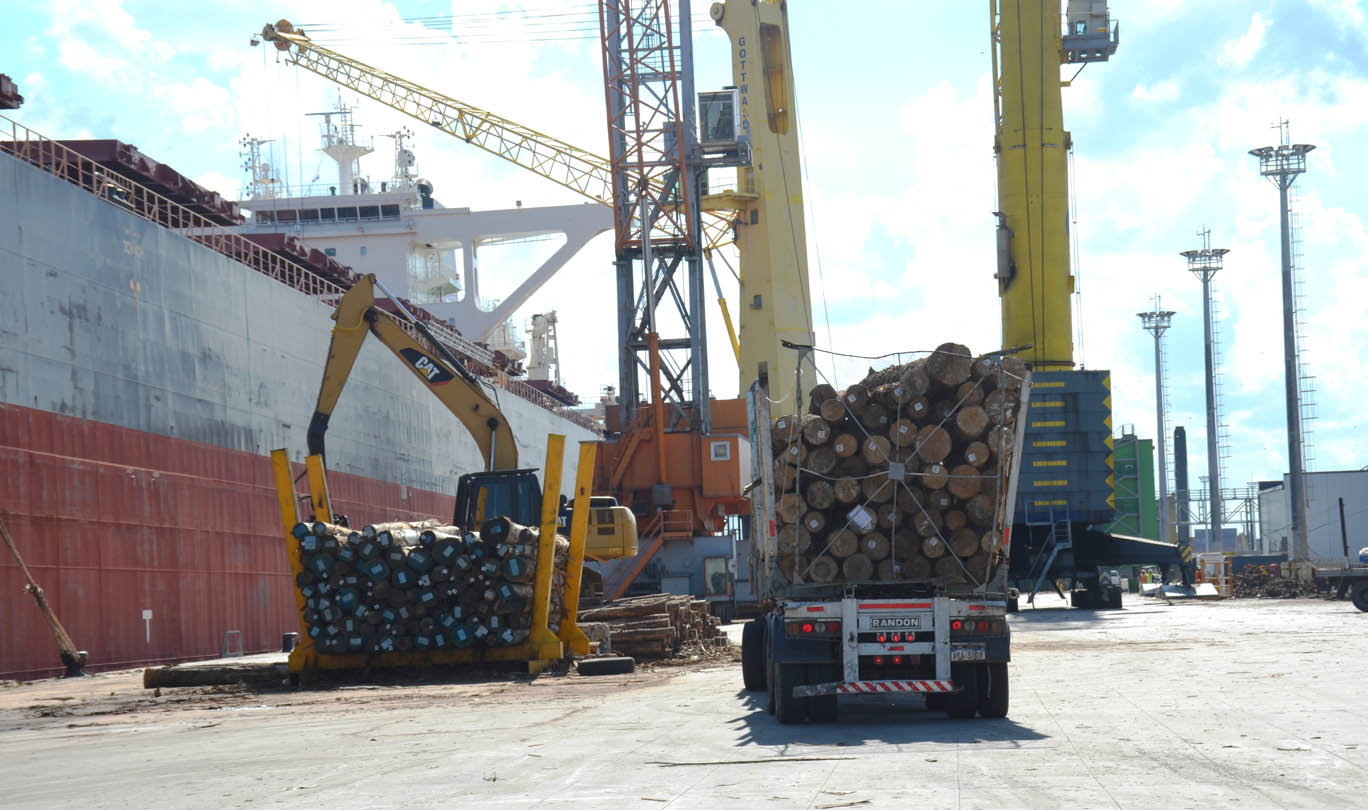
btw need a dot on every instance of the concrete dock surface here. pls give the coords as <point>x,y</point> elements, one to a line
<point>1244,704</point>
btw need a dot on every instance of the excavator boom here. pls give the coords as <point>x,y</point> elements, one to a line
<point>462,392</point>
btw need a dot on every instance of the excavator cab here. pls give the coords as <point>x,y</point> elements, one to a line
<point>514,494</point>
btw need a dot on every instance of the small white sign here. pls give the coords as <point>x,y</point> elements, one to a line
<point>863,518</point>
<point>147,624</point>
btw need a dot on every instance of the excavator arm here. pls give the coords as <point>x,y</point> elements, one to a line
<point>462,392</point>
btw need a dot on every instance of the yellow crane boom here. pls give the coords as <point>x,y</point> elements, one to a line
<point>570,166</point>
<point>558,161</point>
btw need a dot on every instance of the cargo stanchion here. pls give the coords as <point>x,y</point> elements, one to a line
<point>570,632</point>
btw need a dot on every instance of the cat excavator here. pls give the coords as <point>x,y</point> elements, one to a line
<point>502,489</point>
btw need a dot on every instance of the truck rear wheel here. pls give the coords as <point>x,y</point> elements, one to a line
<point>771,674</point>
<point>753,655</point>
<point>1359,593</point>
<point>822,708</point>
<point>992,689</point>
<point>787,708</point>
<point>963,704</point>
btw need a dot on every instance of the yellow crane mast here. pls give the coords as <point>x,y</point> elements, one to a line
<point>775,301</point>
<point>1032,146</point>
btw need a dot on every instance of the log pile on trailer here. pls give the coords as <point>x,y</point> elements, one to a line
<point>902,476</point>
<point>657,626</point>
<point>397,587</point>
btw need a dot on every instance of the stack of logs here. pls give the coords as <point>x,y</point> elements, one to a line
<point>901,476</point>
<point>395,587</point>
<point>657,626</point>
<point>1268,582</point>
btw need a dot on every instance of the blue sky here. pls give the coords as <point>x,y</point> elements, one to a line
<point>896,115</point>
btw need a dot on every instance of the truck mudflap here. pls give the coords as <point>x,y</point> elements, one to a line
<point>874,687</point>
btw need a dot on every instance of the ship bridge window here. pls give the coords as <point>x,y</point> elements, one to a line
<point>286,216</point>
<point>327,214</point>
<point>389,212</point>
<point>370,212</point>
<point>344,214</point>
<point>265,217</point>
<point>308,215</point>
<point>329,251</point>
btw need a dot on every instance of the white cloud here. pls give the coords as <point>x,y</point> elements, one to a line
<point>101,40</point>
<point>201,104</point>
<point>1166,90</point>
<point>1348,14</point>
<point>1239,52</point>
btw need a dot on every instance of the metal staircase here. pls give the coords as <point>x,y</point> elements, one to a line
<point>1059,540</point>
<point>674,524</point>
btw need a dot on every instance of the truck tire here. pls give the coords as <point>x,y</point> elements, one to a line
<point>787,708</point>
<point>822,708</point>
<point>963,704</point>
<point>771,677</point>
<point>617,665</point>
<point>1359,593</point>
<point>992,689</point>
<point>753,656</point>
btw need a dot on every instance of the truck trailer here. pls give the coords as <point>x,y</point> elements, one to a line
<point>930,616</point>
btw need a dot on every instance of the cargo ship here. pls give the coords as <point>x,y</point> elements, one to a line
<point>155,345</point>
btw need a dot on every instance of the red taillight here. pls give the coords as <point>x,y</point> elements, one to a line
<point>807,627</point>
<point>883,638</point>
<point>957,625</point>
<point>897,659</point>
<point>878,660</point>
<point>983,626</point>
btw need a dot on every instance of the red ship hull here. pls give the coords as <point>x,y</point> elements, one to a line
<point>113,522</point>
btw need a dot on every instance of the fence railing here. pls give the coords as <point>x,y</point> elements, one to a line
<point>49,155</point>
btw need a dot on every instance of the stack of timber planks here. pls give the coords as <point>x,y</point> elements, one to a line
<point>901,476</point>
<point>657,626</point>
<point>396,587</point>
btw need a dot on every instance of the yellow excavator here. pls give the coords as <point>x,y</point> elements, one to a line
<point>501,489</point>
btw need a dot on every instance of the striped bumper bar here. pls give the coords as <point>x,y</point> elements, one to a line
<point>873,687</point>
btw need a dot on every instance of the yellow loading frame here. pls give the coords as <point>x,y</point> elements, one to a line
<point>543,646</point>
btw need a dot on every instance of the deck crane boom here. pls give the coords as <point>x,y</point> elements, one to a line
<point>563,163</point>
<point>575,168</point>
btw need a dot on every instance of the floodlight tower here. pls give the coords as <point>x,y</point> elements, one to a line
<point>1205,263</point>
<point>1157,322</point>
<point>1281,164</point>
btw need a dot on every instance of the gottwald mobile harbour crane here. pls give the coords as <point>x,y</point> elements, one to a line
<point>1066,494</point>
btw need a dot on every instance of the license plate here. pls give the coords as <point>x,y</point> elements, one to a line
<point>895,623</point>
<point>968,654</point>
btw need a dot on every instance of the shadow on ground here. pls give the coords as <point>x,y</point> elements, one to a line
<point>883,719</point>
